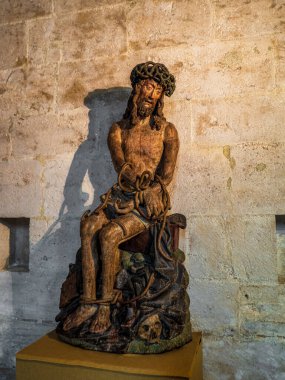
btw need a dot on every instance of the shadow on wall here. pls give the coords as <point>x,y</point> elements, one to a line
<point>93,159</point>
<point>36,297</point>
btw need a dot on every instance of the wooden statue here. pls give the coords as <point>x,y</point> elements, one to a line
<point>127,290</point>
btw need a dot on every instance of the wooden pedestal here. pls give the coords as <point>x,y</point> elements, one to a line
<point>49,358</point>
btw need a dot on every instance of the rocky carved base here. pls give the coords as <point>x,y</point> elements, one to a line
<point>117,342</point>
<point>150,314</point>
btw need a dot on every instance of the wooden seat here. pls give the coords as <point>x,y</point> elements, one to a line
<point>142,242</point>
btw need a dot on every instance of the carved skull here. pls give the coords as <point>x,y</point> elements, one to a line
<point>150,329</point>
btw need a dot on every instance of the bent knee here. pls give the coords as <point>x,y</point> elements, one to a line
<point>87,227</point>
<point>111,234</point>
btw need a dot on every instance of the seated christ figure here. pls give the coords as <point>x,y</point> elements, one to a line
<point>143,147</point>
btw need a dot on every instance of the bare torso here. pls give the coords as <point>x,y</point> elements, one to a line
<point>145,148</point>
<point>142,148</point>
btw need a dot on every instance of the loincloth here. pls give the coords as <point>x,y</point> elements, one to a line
<point>125,200</point>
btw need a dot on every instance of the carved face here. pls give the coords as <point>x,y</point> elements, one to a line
<point>150,329</point>
<point>150,92</point>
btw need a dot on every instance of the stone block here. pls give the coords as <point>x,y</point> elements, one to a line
<point>203,181</point>
<point>14,10</point>
<point>4,246</point>
<point>179,113</point>
<point>262,320</point>
<point>5,139</point>
<point>27,91</point>
<point>280,241</point>
<point>228,358</point>
<point>72,130</point>
<point>209,254</point>
<point>223,69</point>
<point>214,306</point>
<point>39,90</point>
<point>192,181</point>
<point>12,77</point>
<point>39,227</point>
<point>280,237</point>
<point>65,6</point>
<point>44,44</point>
<point>6,297</point>
<point>20,189</point>
<point>12,82</point>
<point>54,249</point>
<point>261,294</point>
<point>78,79</point>
<point>266,312</point>
<point>221,168</point>
<point>167,23</point>
<point>262,310</point>
<point>280,62</point>
<point>55,174</point>
<point>30,135</point>
<point>13,43</point>
<point>236,120</point>
<point>215,69</point>
<point>64,132</point>
<point>74,184</point>
<point>27,332</point>
<point>235,19</point>
<point>79,35</point>
<point>253,248</point>
<point>257,180</point>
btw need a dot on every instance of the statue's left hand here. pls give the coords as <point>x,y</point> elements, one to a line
<point>152,199</point>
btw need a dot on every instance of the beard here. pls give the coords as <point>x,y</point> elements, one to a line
<point>144,111</point>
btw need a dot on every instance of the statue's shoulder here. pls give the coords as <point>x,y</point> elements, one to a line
<point>118,126</point>
<point>170,131</point>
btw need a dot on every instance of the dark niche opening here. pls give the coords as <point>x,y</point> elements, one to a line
<point>280,241</point>
<point>18,245</point>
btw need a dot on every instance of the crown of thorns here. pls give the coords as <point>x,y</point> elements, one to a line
<point>155,71</point>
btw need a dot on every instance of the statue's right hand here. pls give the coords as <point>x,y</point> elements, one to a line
<point>129,175</point>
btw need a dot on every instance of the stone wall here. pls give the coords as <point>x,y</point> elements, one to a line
<point>64,78</point>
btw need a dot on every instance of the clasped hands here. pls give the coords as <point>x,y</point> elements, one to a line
<point>151,198</point>
<point>149,192</point>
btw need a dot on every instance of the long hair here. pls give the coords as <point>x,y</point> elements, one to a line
<point>156,119</point>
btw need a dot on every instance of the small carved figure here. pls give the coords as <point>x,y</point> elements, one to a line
<point>116,287</point>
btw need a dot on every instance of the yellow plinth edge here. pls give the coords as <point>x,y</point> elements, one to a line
<point>50,354</point>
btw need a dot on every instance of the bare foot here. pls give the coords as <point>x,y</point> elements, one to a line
<point>102,321</point>
<point>81,314</point>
